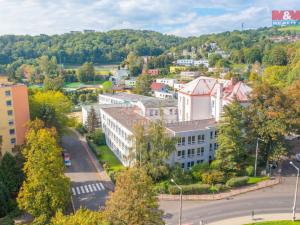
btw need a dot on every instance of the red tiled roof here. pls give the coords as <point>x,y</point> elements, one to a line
<point>157,86</point>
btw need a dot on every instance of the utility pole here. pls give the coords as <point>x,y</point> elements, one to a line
<point>180,215</point>
<point>296,190</point>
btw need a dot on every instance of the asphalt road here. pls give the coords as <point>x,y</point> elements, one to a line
<point>89,187</point>
<point>277,199</point>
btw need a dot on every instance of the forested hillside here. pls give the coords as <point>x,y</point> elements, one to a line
<point>77,48</point>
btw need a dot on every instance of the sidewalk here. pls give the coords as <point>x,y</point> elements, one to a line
<point>257,218</point>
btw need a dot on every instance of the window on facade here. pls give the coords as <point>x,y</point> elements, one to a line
<point>189,140</point>
<point>13,141</point>
<point>182,153</point>
<point>183,141</point>
<point>193,152</point>
<point>210,147</point>
<point>211,135</point>
<point>179,153</point>
<point>201,138</point>
<point>8,103</point>
<point>182,165</point>
<point>188,165</point>
<point>10,122</point>
<point>202,151</point>
<point>7,93</point>
<point>215,146</point>
<point>176,111</point>
<point>198,151</point>
<point>193,139</point>
<point>216,133</point>
<point>192,163</point>
<point>9,112</point>
<point>12,131</point>
<point>189,152</point>
<point>171,111</point>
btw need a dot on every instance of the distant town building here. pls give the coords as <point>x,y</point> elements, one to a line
<point>200,62</point>
<point>158,87</point>
<point>130,83</point>
<point>163,95</point>
<point>89,31</point>
<point>189,75</point>
<point>176,69</point>
<point>14,115</point>
<point>185,62</point>
<point>167,81</point>
<point>153,72</point>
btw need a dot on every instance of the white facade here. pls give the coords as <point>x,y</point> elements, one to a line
<point>189,74</point>
<point>167,81</point>
<point>163,95</point>
<point>203,62</point>
<point>185,62</point>
<point>178,86</point>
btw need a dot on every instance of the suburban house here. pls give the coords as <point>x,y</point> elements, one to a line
<point>189,75</point>
<point>158,87</point>
<point>153,72</point>
<point>167,81</point>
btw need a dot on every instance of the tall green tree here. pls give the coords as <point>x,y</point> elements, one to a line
<point>143,85</point>
<point>93,121</point>
<point>86,72</point>
<point>134,200</point>
<point>11,170</point>
<point>53,84</point>
<point>231,152</point>
<point>46,188</point>
<point>267,120</point>
<point>51,107</point>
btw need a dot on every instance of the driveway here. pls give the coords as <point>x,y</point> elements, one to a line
<point>89,183</point>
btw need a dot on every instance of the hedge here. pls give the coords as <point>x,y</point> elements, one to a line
<point>6,221</point>
<point>92,146</point>
<point>237,181</point>
<point>192,189</point>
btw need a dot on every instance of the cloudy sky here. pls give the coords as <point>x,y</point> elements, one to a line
<point>179,17</point>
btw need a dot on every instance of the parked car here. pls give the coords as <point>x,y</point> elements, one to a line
<point>298,157</point>
<point>67,158</point>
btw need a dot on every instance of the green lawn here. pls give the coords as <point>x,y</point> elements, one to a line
<point>105,155</point>
<point>254,180</point>
<point>278,222</point>
<point>79,84</point>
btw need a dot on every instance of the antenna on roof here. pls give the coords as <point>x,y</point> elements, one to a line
<point>242,26</point>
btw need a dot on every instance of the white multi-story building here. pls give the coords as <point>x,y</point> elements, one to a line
<point>192,119</point>
<point>190,75</point>
<point>203,62</point>
<point>205,97</point>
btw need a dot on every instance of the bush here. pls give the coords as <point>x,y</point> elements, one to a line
<point>192,189</point>
<point>181,176</point>
<point>81,129</point>
<point>162,187</point>
<point>98,137</point>
<point>218,188</point>
<point>92,146</point>
<point>213,177</point>
<point>6,221</point>
<point>250,170</point>
<point>237,181</point>
<point>198,170</point>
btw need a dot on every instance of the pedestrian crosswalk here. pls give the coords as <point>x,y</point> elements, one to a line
<point>88,188</point>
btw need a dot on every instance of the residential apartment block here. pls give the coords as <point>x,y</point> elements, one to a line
<point>14,115</point>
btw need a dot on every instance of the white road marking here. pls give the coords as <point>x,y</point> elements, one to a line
<point>90,187</point>
<point>86,189</point>
<point>102,186</point>
<point>73,190</point>
<point>82,190</point>
<point>78,191</point>
<point>98,187</point>
<point>94,187</point>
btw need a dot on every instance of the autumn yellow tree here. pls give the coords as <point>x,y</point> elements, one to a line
<point>134,201</point>
<point>46,188</point>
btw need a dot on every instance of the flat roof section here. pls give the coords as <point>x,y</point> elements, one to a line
<point>191,125</point>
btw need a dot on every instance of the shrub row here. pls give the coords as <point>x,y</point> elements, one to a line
<point>190,189</point>
<point>92,146</point>
<point>237,181</point>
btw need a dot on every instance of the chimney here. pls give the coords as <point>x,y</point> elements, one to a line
<point>219,101</point>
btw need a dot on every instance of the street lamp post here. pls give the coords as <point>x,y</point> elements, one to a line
<point>296,190</point>
<point>256,153</point>
<point>180,215</point>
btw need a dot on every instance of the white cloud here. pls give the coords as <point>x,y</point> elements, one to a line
<point>168,16</point>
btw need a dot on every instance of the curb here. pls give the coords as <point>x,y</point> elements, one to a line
<point>220,196</point>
